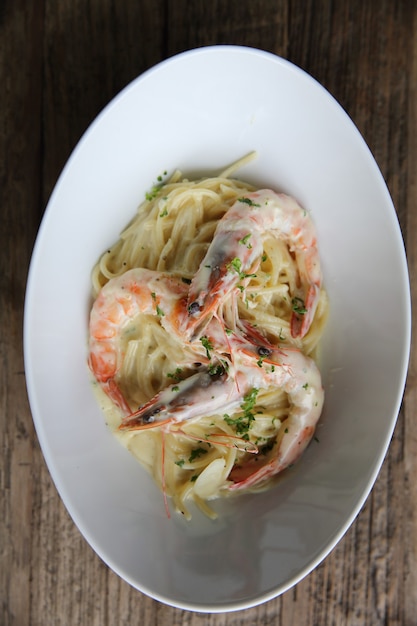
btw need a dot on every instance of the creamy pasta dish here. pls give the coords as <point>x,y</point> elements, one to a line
<point>203,334</point>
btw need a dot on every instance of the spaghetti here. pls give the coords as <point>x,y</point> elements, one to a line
<point>154,265</point>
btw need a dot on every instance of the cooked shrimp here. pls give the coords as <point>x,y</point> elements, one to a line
<point>224,388</point>
<point>203,393</point>
<point>137,291</point>
<point>300,378</point>
<point>236,251</point>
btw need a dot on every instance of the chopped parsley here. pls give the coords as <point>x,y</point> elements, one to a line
<point>248,201</point>
<point>249,400</point>
<point>242,423</point>
<point>244,241</point>
<point>150,195</point>
<point>180,462</point>
<point>263,352</point>
<point>217,369</point>
<point>236,265</point>
<point>176,375</point>
<point>298,306</point>
<point>159,311</point>
<point>206,343</point>
<point>196,453</point>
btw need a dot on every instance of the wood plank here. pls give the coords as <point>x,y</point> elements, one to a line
<point>408,501</point>
<point>256,23</point>
<point>20,119</point>
<point>91,50</point>
<point>363,575</point>
<point>60,63</point>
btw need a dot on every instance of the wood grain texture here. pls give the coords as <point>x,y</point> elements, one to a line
<point>60,63</point>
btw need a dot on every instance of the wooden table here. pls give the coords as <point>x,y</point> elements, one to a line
<point>60,63</point>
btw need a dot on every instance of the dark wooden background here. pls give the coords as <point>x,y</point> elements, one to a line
<point>61,61</point>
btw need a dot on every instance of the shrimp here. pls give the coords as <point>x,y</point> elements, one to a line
<point>236,252</point>
<point>201,394</point>
<point>300,378</point>
<point>226,387</point>
<point>137,291</point>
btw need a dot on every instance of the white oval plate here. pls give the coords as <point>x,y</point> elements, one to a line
<point>200,111</point>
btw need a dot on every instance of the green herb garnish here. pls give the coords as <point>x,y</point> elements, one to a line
<point>298,306</point>
<point>150,195</point>
<point>176,375</point>
<point>236,265</point>
<point>244,241</point>
<point>216,369</point>
<point>159,311</point>
<point>249,400</point>
<point>248,201</point>
<point>196,453</point>
<point>206,343</point>
<point>242,423</point>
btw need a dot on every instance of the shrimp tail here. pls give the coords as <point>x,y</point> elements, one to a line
<point>303,313</point>
<point>253,473</point>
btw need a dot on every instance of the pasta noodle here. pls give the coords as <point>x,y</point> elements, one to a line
<point>171,233</point>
